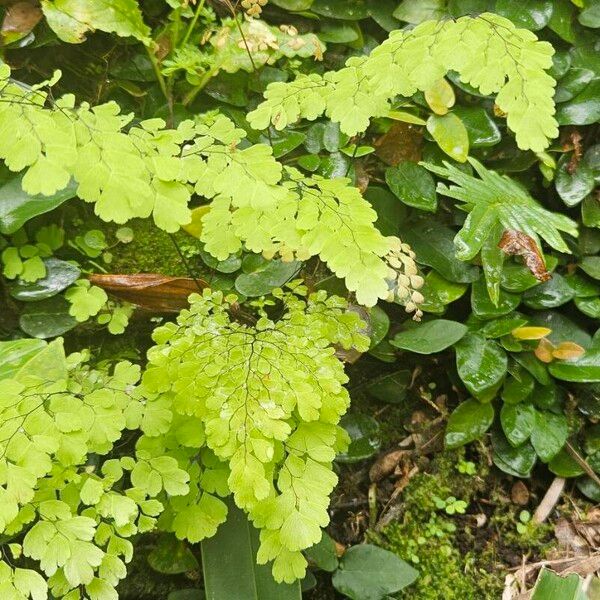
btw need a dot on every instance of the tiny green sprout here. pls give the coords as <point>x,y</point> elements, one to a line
<point>525,519</point>
<point>451,505</point>
<point>124,235</point>
<point>466,467</point>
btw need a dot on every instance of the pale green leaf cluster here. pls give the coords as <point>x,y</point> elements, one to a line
<point>70,507</point>
<point>487,51</point>
<point>264,402</point>
<point>130,171</point>
<point>71,20</point>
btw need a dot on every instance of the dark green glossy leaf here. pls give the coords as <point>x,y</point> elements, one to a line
<point>482,305</point>
<point>293,5</point>
<point>481,128</point>
<point>549,434</point>
<point>271,275</point>
<point>468,422</point>
<point>430,337</point>
<point>572,84</point>
<point>434,245</point>
<point>350,10</point>
<point>590,15</point>
<point>171,556</point>
<point>563,20</point>
<point>518,278</point>
<point>584,109</point>
<point>460,8</point>
<point>381,12</point>
<point>517,422</point>
<point>550,294</point>
<point>365,439</point>
<point>585,369</point>
<point>563,328</point>
<point>323,554</point>
<point>529,14</point>
<point>390,388</point>
<point>514,461</point>
<point>439,292</point>
<point>380,325</point>
<point>413,185</point>
<point>339,32</point>
<point>564,465</point>
<point>590,212</point>
<point>589,306</point>
<point>588,487</point>
<point>17,207</point>
<point>47,319</point>
<point>583,286</point>
<point>537,368</point>
<point>573,186</point>
<point>229,265</point>
<point>368,572</point>
<point>390,212</point>
<point>481,365</point>
<point>59,276</point>
<point>502,325</point>
<point>591,266</point>
<point>549,397</point>
<point>416,12</point>
<point>516,389</point>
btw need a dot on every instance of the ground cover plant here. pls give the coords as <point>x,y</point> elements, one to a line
<point>292,291</point>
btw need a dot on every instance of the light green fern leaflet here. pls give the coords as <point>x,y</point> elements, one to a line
<point>269,403</point>
<point>136,171</point>
<point>71,513</point>
<point>488,52</point>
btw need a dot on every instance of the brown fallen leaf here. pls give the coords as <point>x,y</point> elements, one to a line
<point>403,141</point>
<point>544,351</point>
<point>519,494</point>
<point>568,351</point>
<point>19,19</point>
<point>150,291</point>
<point>386,464</point>
<point>517,243</point>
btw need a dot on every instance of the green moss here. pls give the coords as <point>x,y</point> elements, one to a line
<point>438,545</point>
<point>153,251</point>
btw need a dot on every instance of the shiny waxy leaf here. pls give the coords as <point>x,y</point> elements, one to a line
<point>60,275</point>
<point>47,318</point>
<point>269,275</point>
<point>530,14</point>
<point>17,206</point>
<point>367,572</point>
<point>413,185</point>
<point>430,337</point>
<point>517,461</point>
<point>518,421</point>
<point>451,135</point>
<point>468,422</point>
<point>365,439</point>
<point>481,364</point>
<point>390,388</point>
<point>549,434</point>
<point>585,369</point>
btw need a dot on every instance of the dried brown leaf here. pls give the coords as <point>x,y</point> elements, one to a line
<point>517,243</point>
<point>21,18</point>
<point>568,351</point>
<point>403,141</point>
<point>544,351</point>
<point>150,291</point>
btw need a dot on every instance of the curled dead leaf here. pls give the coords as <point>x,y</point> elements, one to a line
<point>517,243</point>
<point>150,291</point>
<point>19,19</point>
<point>568,351</point>
<point>544,351</point>
<point>386,464</point>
